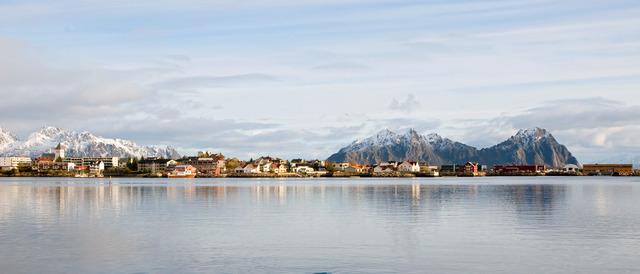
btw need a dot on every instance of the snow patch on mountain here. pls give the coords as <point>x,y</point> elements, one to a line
<point>380,139</point>
<point>527,137</point>
<point>7,139</point>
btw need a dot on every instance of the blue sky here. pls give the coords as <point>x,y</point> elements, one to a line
<point>291,79</point>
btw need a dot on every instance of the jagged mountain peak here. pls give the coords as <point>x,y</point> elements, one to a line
<point>532,133</point>
<point>529,137</point>
<point>6,136</point>
<point>50,131</point>
<point>7,139</point>
<point>412,131</point>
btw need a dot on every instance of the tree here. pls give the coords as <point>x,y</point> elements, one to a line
<point>59,160</point>
<point>232,164</point>
<point>329,167</point>
<point>133,164</point>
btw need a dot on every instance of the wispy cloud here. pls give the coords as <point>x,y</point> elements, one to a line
<point>214,81</point>
<point>409,104</point>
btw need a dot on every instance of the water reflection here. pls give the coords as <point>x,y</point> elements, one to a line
<point>465,225</point>
<point>527,201</point>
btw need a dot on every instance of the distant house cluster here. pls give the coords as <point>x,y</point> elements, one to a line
<point>204,163</point>
<point>268,164</point>
<point>56,161</point>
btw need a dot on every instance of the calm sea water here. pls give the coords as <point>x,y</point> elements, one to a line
<point>505,224</point>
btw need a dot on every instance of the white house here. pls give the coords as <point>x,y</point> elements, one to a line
<point>250,168</point>
<point>409,166</point>
<point>279,168</point>
<point>340,166</point>
<point>571,168</point>
<point>96,167</point>
<point>302,169</point>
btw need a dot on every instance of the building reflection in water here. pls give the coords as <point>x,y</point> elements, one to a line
<point>529,201</point>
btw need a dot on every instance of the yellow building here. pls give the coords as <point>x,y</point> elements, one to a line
<point>608,169</point>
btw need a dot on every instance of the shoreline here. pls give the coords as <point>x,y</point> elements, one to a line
<point>328,175</point>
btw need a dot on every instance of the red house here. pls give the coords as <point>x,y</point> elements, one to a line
<point>469,167</point>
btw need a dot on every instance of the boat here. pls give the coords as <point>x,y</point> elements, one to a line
<point>182,171</point>
<point>171,175</point>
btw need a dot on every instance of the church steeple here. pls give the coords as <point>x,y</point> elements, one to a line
<point>59,151</point>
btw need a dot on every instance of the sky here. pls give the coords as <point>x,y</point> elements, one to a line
<point>301,79</point>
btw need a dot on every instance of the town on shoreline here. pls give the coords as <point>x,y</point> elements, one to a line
<point>209,165</point>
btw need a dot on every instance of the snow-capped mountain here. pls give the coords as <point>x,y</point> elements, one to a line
<point>389,146</point>
<point>389,138</point>
<point>76,144</point>
<point>535,146</point>
<point>529,146</point>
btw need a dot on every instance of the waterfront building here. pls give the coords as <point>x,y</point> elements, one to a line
<point>608,169</point>
<point>109,162</point>
<point>302,169</point>
<point>210,165</point>
<point>469,167</point>
<point>339,166</point>
<point>11,163</point>
<point>279,168</point>
<point>156,165</point>
<point>409,166</point>
<point>519,168</point>
<point>251,168</point>
<point>353,168</point>
<point>451,168</point>
<point>58,154</point>
<point>44,164</point>
<point>96,168</point>
<point>571,168</point>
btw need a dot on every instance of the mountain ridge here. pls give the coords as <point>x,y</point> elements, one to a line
<point>77,144</point>
<point>528,146</point>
